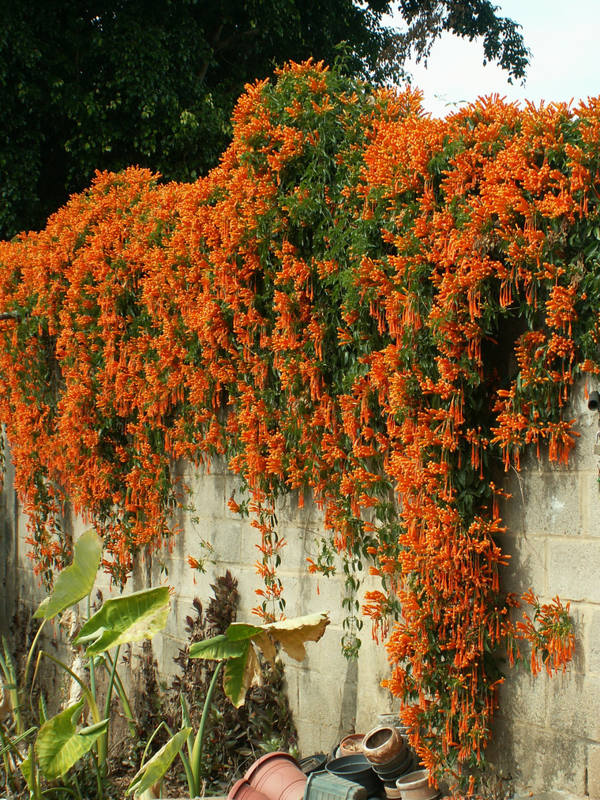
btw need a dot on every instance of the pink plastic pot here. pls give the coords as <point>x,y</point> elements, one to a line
<point>278,776</point>
<point>243,791</point>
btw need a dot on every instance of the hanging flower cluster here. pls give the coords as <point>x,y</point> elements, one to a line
<point>360,302</point>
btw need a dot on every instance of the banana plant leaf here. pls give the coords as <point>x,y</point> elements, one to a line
<point>125,619</point>
<point>157,767</point>
<point>59,745</point>
<point>218,648</point>
<point>77,580</point>
<point>240,643</point>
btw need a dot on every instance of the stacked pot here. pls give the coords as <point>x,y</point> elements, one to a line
<point>386,750</point>
<point>415,786</point>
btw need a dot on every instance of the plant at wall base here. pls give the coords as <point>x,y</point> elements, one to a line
<point>237,649</point>
<point>234,736</point>
<point>48,751</point>
<point>360,302</point>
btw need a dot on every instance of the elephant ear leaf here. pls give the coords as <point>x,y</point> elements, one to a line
<point>240,674</point>
<point>218,648</point>
<point>59,745</point>
<point>77,580</point>
<point>292,634</point>
<point>155,769</point>
<point>125,619</point>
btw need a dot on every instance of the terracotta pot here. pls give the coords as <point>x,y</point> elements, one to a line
<point>383,744</point>
<point>243,791</point>
<point>352,745</point>
<point>278,776</point>
<point>391,791</point>
<point>415,786</point>
<point>392,770</point>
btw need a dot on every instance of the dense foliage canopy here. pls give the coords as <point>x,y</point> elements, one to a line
<point>360,302</point>
<point>106,84</point>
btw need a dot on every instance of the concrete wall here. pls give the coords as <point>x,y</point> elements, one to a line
<point>547,731</point>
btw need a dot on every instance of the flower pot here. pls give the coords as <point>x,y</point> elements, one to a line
<point>243,791</point>
<point>312,764</point>
<point>391,791</point>
<point>356,769</point>
<point>394,721</point>
<point>383,744</point>
<point>278,776</point>
<point>415,786</point>
<point>400,764</point>
<point>352,745</point>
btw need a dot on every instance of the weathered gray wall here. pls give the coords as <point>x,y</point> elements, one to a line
<point>547,731</point>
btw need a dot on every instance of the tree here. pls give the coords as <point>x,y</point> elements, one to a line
<point>104,84</point>
<point>469,19</point>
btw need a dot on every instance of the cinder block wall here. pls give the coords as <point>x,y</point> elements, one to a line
<point>547,730</point>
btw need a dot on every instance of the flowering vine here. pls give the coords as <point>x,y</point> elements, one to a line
<point>360,302</point>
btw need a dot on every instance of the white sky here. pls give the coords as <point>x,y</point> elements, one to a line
<point>563,35</point>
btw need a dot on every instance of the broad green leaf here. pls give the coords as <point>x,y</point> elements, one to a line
<point>233,678</point>
<point>59,746</point>
<point>156,768</point>
<point>217,648</point>
<point>25,767</point>
<point>126,619</point>
<point>240,631</point>
<point>240,674</point>
<point>76,581</point>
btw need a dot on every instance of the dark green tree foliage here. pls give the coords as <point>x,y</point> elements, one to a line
<point>426,20</point>
<point>105,84</point>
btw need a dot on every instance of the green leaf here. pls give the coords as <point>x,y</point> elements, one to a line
<point>59,746</point>
<point>26,772</point>
<point>240,631</point>
<point>126,619</point>
<point>76,581</point>
<point>217,648</point>
<point>233,678</point>
<point>156,768</point>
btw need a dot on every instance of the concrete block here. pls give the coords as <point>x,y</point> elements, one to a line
<point>333,662</point>
<point>574,705</point>
<point>573,570</point>
<point>291,589</point>
<point>292,681</point>
<point>226,539</point>
<point>593,641</point>
<point>526,566</point>
<point>320,701</point>
<point>539,759</point>
<point>590,504</point>
<point>208,499</point>
<point>594,771</point>
<point>543,503</point>
<point>295,552</point>
<point>248,583</point>
<point>322,593</point>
